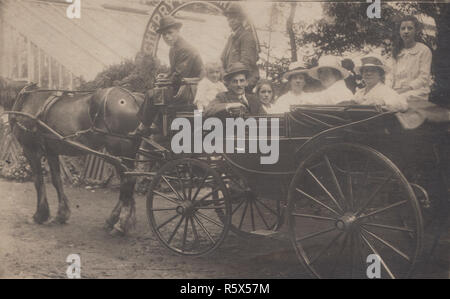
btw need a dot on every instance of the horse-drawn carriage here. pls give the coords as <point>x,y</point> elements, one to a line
<point>335,186</point>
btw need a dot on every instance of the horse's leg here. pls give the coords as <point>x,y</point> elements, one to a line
<point>127,214</point>
<point>42,210</point>
<point>63,204</point>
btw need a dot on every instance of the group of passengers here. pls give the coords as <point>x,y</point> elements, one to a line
<point>325,84</point>
<point>234,82</point>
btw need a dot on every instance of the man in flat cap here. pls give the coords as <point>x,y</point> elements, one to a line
<point>241,45</point>
<point>236,97</point>
<point>185,62</point>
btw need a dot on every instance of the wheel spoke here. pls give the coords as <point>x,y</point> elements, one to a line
<point>243,215</point>
<point>181,183</point>
<point>209,219</point>
<point>172,200</point>
<point>386,243</point>
<point>185,234</point>
<point>349,183</point>
<point>324,189</point>
<point>313,217</point>
<point>252,216</point>
<point>379,256</point>
<point>312,235</point>
<point>204,229</point>
<point>191,182</point>
<point>325,249</point>
<point>372,196</point>
<point>317,201</point>
<point>163,209</point>
<point>397,228</point>
<point>172,188</point>
<point>341,251</point>
<point>175,230</point>
<point>208,194</point>
<point>194,230</point>
<point>200,187</point>
<point>394,205</point>
<point>238,206</point>
<point>335,180</point>
<point>167,221</point>
<point>210,208</point>
<point>265,206</point>
<point>261,215</point>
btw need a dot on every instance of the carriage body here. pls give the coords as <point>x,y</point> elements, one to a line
<point>334,185</point>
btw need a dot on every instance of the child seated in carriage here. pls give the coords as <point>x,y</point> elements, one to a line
<point>210,86</point>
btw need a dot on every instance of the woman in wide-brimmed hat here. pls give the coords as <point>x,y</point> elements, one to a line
<point>331,74</point>
<point>298,81</point>
<point>373,72</point>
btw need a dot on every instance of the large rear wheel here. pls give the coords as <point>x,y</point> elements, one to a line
<point>346,202</point>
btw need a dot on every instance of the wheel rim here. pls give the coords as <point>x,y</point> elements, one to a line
<point>250,212</point>
<point>183,205</point>
<point>347,201</point>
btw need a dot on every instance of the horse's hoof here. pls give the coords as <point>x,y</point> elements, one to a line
<point>116,233</point>
<point>57,221</point>
<point>40,219</point>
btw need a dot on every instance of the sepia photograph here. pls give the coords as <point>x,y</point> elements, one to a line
<point>225,140</point>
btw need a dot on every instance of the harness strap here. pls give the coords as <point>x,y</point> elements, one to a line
<point>43,111</point>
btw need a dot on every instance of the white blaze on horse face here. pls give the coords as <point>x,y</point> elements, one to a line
<point>274,148</point>
<point>181,141</point>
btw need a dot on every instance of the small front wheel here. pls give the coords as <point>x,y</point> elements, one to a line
<point>183,203</point>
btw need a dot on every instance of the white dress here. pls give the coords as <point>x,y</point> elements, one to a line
<point>207,91</point>
<point>336,93</point>
<point>284,102</point>
<point>381,95</point>
<point>413,69</point>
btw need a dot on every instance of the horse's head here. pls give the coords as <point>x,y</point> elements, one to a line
<point>115,109</point>
<point>9,90</point>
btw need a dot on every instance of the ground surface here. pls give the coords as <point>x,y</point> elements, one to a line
<point>28,250</point>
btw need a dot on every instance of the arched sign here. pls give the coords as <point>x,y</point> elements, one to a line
<point>151,38</point>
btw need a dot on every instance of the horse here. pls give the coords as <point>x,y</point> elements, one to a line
<point>89,120</point>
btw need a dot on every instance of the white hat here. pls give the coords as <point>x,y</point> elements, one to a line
<point>331,62</point>
<point>372,60</point>
<point>296,67</point>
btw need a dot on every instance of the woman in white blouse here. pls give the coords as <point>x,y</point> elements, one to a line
<point>376,92</point>
<point>331,74</point>
<point>298,80</point>
<point>412,61</point>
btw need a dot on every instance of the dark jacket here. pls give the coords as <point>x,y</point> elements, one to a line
<point>185,61</point>
<point>218,106</point>
<point>241,47</point>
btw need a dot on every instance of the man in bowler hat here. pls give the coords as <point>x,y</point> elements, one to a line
<point>236,97</point>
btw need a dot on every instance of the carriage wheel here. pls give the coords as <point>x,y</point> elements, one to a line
<point>183,203</point>
<point>251,213</point>
<point>348,201</point>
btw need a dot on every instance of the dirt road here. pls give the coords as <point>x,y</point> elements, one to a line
<point>28,250</point>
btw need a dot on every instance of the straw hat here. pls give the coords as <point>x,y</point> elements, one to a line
<point>330,62</point>
<point>296,67</point>
<point>372,60</point>
<point>167,22</point>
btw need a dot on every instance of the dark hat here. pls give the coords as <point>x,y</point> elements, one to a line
<point>234,69</point>
<point>167,22</point>
<point>372,60</point>
<point>235,10</point>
